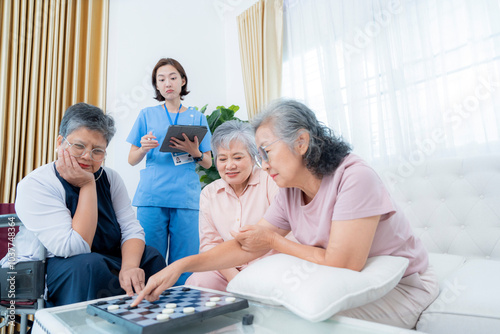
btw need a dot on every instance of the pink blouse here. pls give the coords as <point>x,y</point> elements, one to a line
<point>353,191</point>
<point>221,211</point>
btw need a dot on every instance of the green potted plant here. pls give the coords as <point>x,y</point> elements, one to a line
<point>216,118</point>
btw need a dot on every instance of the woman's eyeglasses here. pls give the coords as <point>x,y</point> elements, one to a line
<point>262,156</point>
<point>77,150</point>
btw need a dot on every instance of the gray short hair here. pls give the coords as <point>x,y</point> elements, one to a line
<point>83,115</point>
<point>234,130</point>
<point>289,118</point>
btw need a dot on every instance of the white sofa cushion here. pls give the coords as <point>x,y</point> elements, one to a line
<point>469,301</point>
<point>444,265</point>
<point>452,203</point>
<point>313,291</point>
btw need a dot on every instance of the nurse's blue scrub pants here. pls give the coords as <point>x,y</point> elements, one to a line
<point>172,229</point>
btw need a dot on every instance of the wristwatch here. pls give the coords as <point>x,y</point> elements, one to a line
<point>199,158</point>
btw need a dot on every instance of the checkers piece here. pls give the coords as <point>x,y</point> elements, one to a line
<point>247,319</point>
<point>113,307</point>
<point>162,316</point>
<point>214,299</point>
<point>171,305</point>
<point>210,304</point>
<point>188,310</point>
<point>230,299</point>
<point>168,311</point>
<point>186,289</point>
<point>150,307</point>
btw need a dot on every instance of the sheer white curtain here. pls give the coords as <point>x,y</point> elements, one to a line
<point>402,81</point>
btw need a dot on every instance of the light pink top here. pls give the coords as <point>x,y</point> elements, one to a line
<point>353,191</point>
<point>221,211</point>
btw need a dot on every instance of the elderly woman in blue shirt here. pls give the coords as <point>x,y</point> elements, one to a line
<point>80,211</point>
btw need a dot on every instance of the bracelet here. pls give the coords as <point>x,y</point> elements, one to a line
<point>200,158</point>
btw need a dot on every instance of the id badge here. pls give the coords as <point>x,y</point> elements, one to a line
<point>181,158</point>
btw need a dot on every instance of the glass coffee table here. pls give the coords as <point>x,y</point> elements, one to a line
<point>266,320</point>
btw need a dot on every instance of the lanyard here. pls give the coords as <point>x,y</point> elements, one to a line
<point>176,116</point>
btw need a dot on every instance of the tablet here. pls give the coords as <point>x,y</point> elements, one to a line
<point>177,130</point>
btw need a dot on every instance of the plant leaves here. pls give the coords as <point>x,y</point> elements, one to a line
<point>212,120</point>
<point>234,108</point>
<point>203,109</point>
<point>227,114</point>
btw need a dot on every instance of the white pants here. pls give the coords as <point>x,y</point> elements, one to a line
<point>403,305</point>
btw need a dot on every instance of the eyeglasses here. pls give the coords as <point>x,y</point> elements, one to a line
<point>77,150</point>
<point>262,156</point>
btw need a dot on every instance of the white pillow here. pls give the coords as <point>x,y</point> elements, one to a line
<point>316,292</point>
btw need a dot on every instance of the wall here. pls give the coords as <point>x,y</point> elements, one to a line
<point>201,34</point>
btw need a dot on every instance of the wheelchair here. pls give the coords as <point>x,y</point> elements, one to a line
<point>22,284</point>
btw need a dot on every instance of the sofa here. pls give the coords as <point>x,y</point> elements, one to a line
<point>454,207</point>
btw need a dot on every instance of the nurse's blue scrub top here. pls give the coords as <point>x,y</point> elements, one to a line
<point>163,184</point>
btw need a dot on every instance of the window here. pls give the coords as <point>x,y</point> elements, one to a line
<point>395,79</point>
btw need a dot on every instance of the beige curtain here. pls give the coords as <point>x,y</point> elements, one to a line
<point>260,30</point>
<point>52,55</point>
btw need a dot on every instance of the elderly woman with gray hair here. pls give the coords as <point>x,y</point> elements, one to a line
<point>336,206</point>
<point>240,197</point>
<point>80,211</point>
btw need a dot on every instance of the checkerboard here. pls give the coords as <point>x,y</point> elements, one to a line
<point>143,318</point>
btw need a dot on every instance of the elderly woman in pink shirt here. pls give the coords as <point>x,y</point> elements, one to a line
<point>335,205</point>
<point>240,197</point>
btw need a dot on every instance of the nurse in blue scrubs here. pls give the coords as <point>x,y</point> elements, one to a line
<point>168,194</point>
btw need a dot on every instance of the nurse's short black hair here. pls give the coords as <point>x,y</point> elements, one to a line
<point>179,68</point>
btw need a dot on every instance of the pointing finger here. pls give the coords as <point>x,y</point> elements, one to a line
<point>139,298</point>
